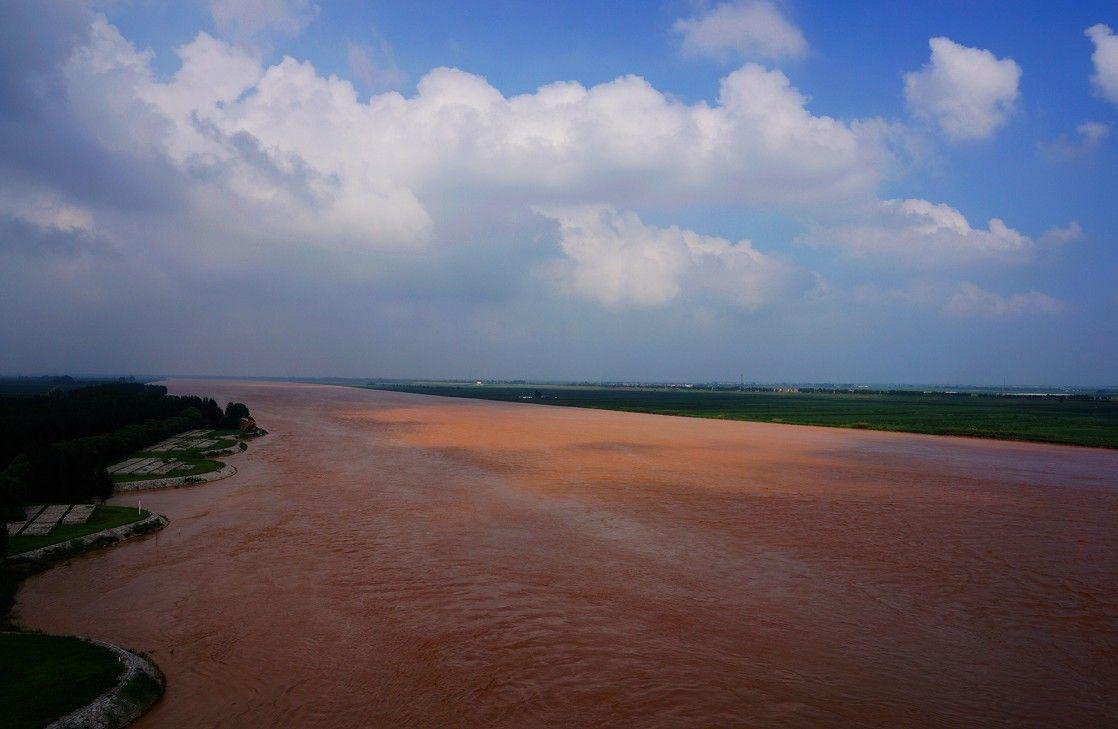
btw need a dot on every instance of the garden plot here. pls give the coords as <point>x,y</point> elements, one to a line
<point>78,514</point>
<point>151,468</point>
<point>130,463</point>
<point>31,512</point>
<point>168,467</point>
<point>193,440</point>
<point>133,465</point>
<point>46,520</point>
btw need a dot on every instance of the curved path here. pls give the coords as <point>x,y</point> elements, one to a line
<point>402,560</point>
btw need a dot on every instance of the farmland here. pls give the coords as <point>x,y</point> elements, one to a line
<point>1052,419</point>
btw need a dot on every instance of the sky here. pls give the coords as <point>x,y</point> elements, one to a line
<point>878,192</point>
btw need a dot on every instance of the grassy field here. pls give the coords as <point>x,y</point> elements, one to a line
<point>44,677</point>
<point>1050,420</point>
<point>103,517</point>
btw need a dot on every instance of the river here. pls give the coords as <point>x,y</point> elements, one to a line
<point>386,559</point>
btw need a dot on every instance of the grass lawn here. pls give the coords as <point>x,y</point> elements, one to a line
<point>1071,421</point>
<point>104,517</point>
<point>45,677</point>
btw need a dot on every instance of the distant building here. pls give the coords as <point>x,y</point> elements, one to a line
<point>248,424</point>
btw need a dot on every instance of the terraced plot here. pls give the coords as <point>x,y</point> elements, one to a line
<point>184,455</point>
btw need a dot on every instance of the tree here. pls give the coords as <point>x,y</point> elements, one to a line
<point>234,411</point>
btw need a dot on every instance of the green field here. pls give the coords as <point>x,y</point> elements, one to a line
<point>44,677</point>
<point>103,517</point>
<point>1069,420</point>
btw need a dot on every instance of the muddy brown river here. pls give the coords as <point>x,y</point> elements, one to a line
<point>391,560</point>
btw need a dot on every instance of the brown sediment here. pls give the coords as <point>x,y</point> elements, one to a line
<point>390,559</point>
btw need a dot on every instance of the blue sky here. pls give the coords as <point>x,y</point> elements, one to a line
<point>669,191</point>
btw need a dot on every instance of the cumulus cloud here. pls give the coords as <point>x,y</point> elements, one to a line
<point>967,92</point>
<point>622,140</point>
<point>298,154</point>
<point>921,233</point>
<point>1090,135</point>
<point>1105,59</point>
<point>616,259</point>
<point>230,160</point>
<point>253,20</point>
<point>745,29</point>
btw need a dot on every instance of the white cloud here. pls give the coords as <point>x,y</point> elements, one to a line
<point>1057,236</point>
<point>619,261</point>
<point>291,144</point>
<point>281,164</point>
<point>970,300</point>
<point>967,92</point>
<point>1105,59</point>
<point>253,19</point>
<point>44,209</point>
<point>1093,133</point>
<point>920,233</point>
<point>1090,135</point>
<point>302,209</point>
<point>373,64</point>
<point>744,29</point>
<point>963,299</point>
